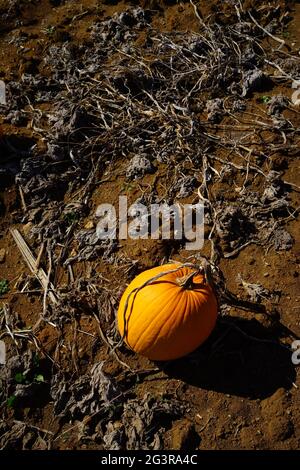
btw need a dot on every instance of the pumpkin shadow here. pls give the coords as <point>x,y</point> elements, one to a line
<point>232,362</point>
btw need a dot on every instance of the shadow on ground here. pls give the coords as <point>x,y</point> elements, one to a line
<point>232,362</point>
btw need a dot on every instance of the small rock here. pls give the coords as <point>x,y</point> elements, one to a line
<point>215,110</point>
<point>186,186</point>
<point>282,240</point>
<point>138,167</point>
<point>2,255</point>
<point>89,225</point>
<point>73,253</point>
<point>55,152</point>
<point>278,104</point>
<point>239,106</point>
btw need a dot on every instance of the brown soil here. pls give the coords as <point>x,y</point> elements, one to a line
<point>238,393</point>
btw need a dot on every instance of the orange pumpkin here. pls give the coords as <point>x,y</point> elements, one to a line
<point>170,316</point>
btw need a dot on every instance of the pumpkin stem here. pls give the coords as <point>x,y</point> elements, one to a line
<point>187,281</point>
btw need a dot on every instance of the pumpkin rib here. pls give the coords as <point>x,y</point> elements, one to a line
<point>173,314</point>
<point>186,319</point>
<point>131,307</point>
<point>187,306</point>
<point>197,302</point>
<point>185,310</point>
<point>154,339</point>
<point>134,299</point>
<point>170,300</point>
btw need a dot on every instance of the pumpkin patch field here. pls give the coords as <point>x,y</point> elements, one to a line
<point>130,342</point>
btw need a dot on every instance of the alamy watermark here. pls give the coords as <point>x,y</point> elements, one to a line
<point>296,353</point>
<point>157,221</point>
<point>2,353</point>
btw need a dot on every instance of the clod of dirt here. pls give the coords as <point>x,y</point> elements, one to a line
<point>91,246</point>
<point>274,187</point>
<point>215,110</point>
<point>233,224</point>
<point>138,167</point>
<point>185,186</point>
<point>255,80</point>
<point>55,152</point>
<point>280,428</point>
<point>282,240</point>
<point>238,106</point>
<point>277,104</point>
<point>184,436</point>
<point>250,440</point>
<point>22,363</point>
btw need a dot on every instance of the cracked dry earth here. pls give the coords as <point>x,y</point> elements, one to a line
<point>164,102</point>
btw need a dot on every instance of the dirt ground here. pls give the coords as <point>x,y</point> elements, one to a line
<point>203,92</point>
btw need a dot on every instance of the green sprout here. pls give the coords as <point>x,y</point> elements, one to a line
<point>49,30</point>
<point>265,99</point>
<point>11,401</point>
<point>128,187</point>
<point>39,378</point>
<point>20,378</point>
<point>71,218</point>
<point>4,288</point>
